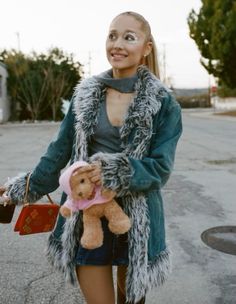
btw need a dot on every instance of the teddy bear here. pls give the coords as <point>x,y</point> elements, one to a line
<point>95,203</point>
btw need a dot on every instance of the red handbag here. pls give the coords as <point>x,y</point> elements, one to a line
<point>36,218</point>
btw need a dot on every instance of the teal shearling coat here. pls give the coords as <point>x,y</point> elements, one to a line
<point>149,137</point>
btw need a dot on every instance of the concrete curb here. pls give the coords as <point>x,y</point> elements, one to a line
<point>211,115</point>
<point>30,124</point>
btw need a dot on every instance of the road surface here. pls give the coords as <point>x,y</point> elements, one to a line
<point>199,195</point>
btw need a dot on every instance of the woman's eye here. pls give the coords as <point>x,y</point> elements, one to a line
<point>130,37</point>
<point>112,36</point>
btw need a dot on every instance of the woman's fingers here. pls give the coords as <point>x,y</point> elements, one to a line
<point>96,180</point>
<point>2,190</point>
<point>95,176</point>
<point>4,199</point>
<point>84,169</point>
<point>94,172</point>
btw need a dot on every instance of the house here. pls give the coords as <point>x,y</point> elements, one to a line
<point>4,101</point>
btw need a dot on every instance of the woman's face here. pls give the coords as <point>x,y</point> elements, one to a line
<point>126,45</point>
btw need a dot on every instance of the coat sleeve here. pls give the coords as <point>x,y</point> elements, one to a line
<point>45,177</point>
<point>152,172</point>
<point>123,174</point>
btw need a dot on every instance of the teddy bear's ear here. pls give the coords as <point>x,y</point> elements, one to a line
<point>75,172</point>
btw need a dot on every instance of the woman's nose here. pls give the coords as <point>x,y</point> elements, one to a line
<point>118,43</point>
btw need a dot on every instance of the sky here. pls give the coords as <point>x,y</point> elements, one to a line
<point>80,27</point>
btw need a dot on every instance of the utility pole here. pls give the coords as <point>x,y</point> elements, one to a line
<point>89,63</point>
<point>18,40</point>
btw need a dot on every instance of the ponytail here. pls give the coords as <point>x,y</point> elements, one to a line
<point>151,61</point>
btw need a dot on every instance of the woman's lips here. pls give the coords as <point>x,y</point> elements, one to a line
<point>118,56</point>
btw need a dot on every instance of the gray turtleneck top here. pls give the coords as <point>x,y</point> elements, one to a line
<point>106,137</point>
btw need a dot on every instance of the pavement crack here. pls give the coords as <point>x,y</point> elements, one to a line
<point>28,287</point>
<point>11,262</point>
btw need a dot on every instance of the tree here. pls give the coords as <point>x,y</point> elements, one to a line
<point>61,73</point>
<point>214,31</point>
<point>37,83</point>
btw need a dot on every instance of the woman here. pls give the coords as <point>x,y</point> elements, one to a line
<point>126,124</point>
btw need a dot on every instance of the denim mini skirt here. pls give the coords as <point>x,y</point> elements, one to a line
<point>114,250</point>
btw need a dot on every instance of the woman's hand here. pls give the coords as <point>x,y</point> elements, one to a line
<point>4,199</point>
<point>94,172</point>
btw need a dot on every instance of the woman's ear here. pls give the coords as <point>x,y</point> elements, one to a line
<point>147,51</point>
<point>148,48</point>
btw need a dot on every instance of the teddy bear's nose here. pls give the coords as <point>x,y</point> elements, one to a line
<point>80,194</point>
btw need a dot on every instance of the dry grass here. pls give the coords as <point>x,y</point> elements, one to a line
<point>228,113</point>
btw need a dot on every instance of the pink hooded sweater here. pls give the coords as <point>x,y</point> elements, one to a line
<point>81,204</point>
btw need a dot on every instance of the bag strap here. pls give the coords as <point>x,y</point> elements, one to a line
<point>25,201</point>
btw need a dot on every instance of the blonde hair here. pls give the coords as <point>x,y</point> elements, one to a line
<point>151,61</point>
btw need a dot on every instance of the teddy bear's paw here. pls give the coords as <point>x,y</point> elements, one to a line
<point>92,239</point>
<point>65,212</point>
<point>107,193</point>
<point>90,244</point>
<point>120,227</point>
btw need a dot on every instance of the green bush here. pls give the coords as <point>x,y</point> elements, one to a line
<point>224,91</point>
<point>37,83</point>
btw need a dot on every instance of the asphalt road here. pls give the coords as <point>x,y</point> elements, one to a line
<point>199,195</point>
